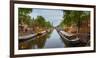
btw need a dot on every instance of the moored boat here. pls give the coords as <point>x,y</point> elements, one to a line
<point>27,37</point>
<point>78,39</point>
<point>69,37</point>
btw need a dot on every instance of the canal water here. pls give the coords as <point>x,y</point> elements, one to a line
<point>50,40</point>
<point>54,41</point>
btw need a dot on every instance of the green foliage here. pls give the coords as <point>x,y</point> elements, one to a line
<point>24,11</point>
<point>41,22</point>
<point>74,17</point>
<point>48,24</point>
<point>34,25</point>
<point>23,16</point>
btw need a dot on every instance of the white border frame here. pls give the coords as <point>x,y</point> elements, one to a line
<point>31,51</point>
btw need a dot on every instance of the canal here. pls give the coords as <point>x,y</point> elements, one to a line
<point>49,40</point>
<point>54,41</point>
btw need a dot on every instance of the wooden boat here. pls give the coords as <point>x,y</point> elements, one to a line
<point>69,37</point>
<point>27,37</point>
<point>82,39</point>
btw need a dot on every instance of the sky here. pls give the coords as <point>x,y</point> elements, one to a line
<point>52,15</point>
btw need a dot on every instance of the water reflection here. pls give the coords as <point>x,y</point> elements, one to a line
<point>38,42</point>
<point>54,41</point>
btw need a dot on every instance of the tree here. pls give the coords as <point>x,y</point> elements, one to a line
<point>41,23</point>
<point>74,17</point>
<point>23,15</point>
<point>24,11</point>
